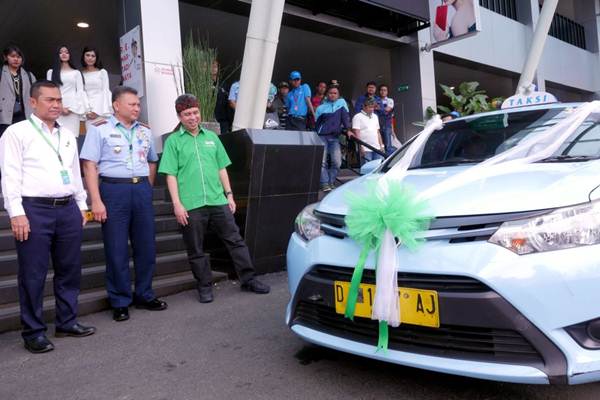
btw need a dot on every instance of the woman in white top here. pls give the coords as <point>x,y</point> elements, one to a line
<point>70,80</point>
<point>96,86</point>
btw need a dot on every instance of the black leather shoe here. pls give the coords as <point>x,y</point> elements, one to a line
<point>76,330</point>
<point>39,344</point>
<point>205,294</point>
<point>120,314</point>
<point>256,286</point>
<point>152,305</point>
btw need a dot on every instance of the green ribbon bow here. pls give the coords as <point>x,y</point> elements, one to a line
<point>368,217</point>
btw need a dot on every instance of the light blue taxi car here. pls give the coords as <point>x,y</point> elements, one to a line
<point>513,260</point>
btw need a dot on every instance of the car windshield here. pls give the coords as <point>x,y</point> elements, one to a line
<point>472,140</point>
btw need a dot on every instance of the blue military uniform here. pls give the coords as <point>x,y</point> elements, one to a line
<point>122,156</point>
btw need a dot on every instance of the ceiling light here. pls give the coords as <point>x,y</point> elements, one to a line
<point>83,25</point>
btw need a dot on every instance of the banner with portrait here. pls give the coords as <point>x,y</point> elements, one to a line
<point>451,20</point>
<point>132,61</point>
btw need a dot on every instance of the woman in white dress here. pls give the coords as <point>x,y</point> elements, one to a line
<point>70,80</point>
<point>96,86</point>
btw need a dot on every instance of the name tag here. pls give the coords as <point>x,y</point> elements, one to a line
<point>65,177</point>
<point>115,135</point>
<point>209,143</point>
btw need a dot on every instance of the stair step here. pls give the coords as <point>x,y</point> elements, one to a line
<point>93,231</point>
<point>95,300</point>
<point>93,276</point>
<point>93,252</point>
<point>161,207</point>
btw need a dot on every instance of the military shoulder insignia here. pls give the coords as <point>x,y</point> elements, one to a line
<point>144,125</point>
<point>100,122</point>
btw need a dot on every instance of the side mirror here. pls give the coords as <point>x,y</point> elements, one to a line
<point>370,166</point>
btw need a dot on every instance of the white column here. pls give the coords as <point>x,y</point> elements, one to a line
<point>161,45</point>
<point>257,66</point>
<point>541,26</point>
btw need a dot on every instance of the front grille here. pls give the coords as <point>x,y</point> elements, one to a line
<point>460,229</point>
<point>480,344</point>
<point>440,283</point>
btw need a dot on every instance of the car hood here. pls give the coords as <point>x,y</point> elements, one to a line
<point>526,187</point>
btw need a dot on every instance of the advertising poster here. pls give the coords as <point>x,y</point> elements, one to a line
<point>132,61</point>
<point>452,20</point>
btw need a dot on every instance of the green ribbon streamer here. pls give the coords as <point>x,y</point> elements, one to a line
<point>382,343</point>
<point>355,283</point>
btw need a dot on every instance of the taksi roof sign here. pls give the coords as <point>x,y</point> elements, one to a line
<point>531,99</point>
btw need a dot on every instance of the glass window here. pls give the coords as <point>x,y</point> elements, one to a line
<point>475,139</point>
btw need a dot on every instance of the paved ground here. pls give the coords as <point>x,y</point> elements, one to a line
<point>235,348</point>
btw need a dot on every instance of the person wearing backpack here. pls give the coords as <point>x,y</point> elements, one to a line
<point>15,83</point>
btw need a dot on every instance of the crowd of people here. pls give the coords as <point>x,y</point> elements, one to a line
<point>293,106</point>
<point>85,90</point>
<point>44,195</point>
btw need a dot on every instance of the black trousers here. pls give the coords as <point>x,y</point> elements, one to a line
<point>220,220</point>
<point>295,123</point>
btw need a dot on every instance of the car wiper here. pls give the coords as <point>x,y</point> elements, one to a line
<point>568,158</point>
<point>445,163</point>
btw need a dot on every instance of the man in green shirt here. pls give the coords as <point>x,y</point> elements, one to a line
<point>195,162</point>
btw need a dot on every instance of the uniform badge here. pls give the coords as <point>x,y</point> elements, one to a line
<point>117,149</point>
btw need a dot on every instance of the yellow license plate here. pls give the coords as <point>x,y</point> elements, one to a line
<point>417,306</point>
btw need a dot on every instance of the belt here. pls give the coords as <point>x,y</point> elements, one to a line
<point>49,201</point>
<point>134,180</point>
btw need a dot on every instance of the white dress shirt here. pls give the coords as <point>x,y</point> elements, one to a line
<point>30,167</point>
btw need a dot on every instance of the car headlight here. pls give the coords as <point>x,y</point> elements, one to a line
<point>563,228</point>
<point>307,225</point>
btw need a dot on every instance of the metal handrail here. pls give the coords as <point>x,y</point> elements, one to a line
<point>367,145</point>
<point>356,141</point>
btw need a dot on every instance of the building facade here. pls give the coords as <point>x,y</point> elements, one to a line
<point>352,41</point>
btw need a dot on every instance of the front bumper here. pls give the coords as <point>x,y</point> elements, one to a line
<point>510,329</point>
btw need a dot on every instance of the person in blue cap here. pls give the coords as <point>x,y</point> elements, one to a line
<point>298,103</point>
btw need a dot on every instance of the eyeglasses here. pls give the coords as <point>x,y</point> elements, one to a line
<point>296,79</point>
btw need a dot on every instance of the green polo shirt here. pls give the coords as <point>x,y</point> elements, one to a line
<point>195,162</point>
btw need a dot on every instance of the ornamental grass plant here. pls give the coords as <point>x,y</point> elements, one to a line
<point>198,60</point>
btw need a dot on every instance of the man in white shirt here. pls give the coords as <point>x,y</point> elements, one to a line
<point>365,126</point>
<point>44,196</point>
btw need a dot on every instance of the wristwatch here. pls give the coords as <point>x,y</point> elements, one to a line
<point>228,193</point>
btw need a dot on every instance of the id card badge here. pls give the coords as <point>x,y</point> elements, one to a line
<point>65,177</point>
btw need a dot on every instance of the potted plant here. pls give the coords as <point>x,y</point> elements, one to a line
<point>200,80</point>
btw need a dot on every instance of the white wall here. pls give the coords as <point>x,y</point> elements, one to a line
<point>504,44</point>
<point>571,66</point>
<point>162,49</point>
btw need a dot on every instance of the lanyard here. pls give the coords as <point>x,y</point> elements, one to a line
<point>56,150</point>
<point>128,135</point>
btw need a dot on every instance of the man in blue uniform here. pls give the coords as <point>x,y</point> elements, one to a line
<point>119,163</point>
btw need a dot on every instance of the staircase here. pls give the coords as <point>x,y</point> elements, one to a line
<point>172,269</point>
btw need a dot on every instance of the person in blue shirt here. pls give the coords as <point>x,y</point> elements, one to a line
<point>298,103</point>
<point>332,119</point>
<point>119,152</point>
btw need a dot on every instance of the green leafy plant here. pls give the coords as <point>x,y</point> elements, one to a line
<point>198,59</point>
<point>469,99</point>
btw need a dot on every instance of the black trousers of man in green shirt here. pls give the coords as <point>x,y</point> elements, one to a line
<point>220,221</point>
